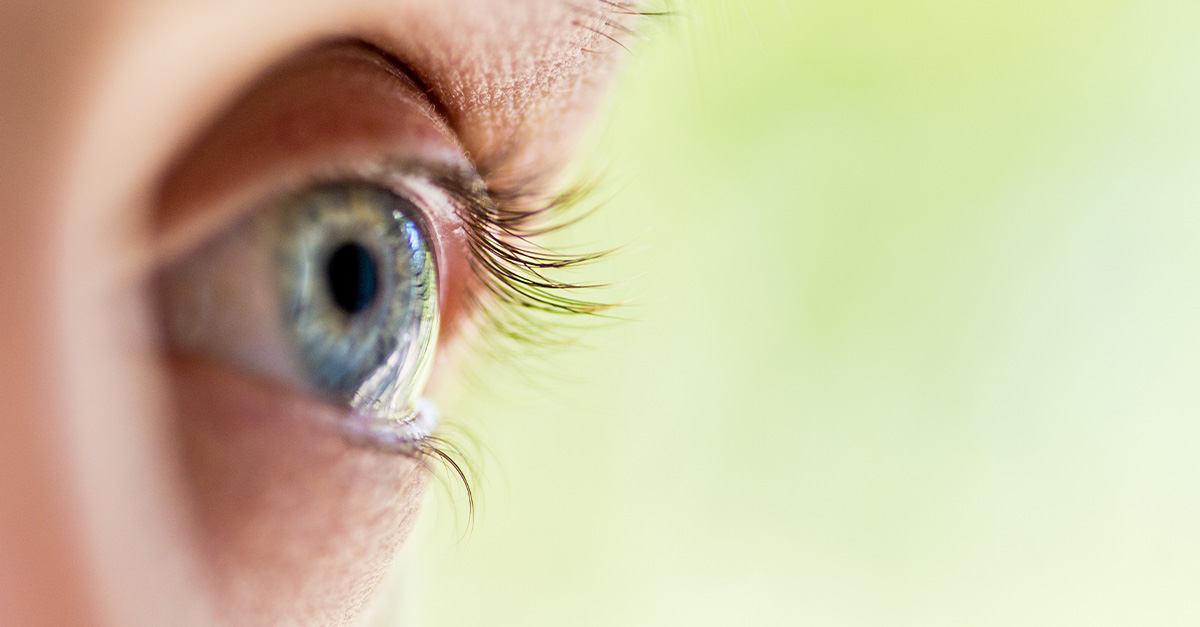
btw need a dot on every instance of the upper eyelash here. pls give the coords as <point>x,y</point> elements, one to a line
<point>502,223</point>
<point>513,269</point>
<point>517,303</point>
<point>509,265</point>
<point>514,300</point>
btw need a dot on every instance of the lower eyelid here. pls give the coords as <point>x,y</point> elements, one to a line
<point>270,402</point>
<point>206,380</point>
<point>275,491</point>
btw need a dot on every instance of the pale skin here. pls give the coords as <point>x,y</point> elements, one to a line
<point>143,488</point>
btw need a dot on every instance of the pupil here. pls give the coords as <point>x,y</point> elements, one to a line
<point>353,278</point>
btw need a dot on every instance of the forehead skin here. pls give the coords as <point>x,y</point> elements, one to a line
<point>96,97</point>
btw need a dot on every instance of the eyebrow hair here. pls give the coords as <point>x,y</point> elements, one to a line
<point>609,27</point>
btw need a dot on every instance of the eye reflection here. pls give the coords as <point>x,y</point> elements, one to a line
<point>333,289</point>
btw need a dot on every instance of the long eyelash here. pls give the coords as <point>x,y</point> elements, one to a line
<point>518,304</point>
<point>506,222</point>
<point>438,451</point>
<point>520,301</point>
<point>520,297</point>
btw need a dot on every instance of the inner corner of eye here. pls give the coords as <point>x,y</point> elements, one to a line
<point>332,289</point>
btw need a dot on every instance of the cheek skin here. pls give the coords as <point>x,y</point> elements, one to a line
<point>123,493</point>
<point>292,522</point>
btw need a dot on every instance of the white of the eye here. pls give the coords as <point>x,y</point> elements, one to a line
<point>217,302</point>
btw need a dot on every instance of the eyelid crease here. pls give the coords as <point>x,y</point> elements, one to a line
<point>322,112</point>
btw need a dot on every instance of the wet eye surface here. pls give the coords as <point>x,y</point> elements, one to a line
<point>358,294</point>
<point>333,289</point>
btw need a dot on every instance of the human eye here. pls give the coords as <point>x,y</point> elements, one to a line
<point>329,233</point>
<point>331,288</point>
<point>317,250</point>
<point>333,275</point>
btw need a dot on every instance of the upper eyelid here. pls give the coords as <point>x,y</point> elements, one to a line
<point>387,171</point>
<point>508,268</point>
<point>420,78</point>
<point>457,67</point>
<point>208,206</point>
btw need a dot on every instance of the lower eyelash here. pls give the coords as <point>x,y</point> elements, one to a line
<point>390,435</point>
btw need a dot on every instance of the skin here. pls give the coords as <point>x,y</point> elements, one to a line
<point>142,488</point>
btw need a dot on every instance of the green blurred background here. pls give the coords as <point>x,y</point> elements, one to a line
<point>916,341</point>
